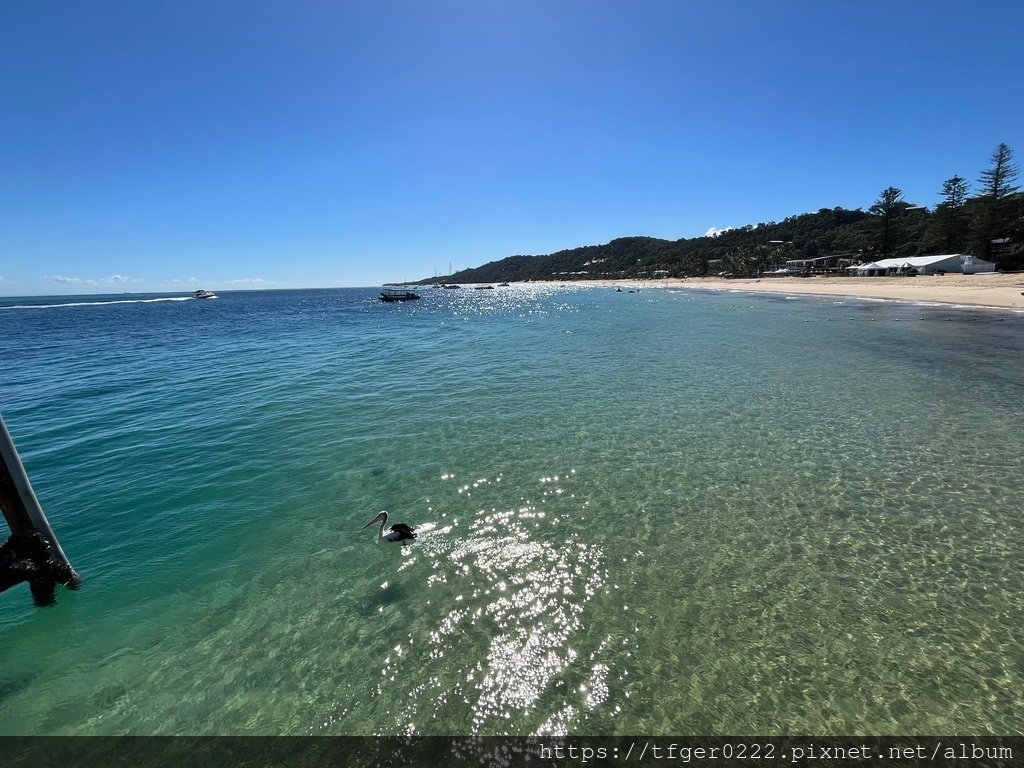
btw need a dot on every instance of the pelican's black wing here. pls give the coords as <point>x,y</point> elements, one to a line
<point>404,531</point>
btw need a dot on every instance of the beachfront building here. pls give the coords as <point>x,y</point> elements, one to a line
<point>924,265</point>
<point>820,265</point>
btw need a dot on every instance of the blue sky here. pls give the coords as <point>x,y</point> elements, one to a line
<point>160,146</point>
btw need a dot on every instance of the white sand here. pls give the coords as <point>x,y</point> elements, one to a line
<point>1004,290</point>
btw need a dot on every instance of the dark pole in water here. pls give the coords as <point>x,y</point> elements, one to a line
<point>32,553</point>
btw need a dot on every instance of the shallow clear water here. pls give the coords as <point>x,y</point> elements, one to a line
<point>663,512</point>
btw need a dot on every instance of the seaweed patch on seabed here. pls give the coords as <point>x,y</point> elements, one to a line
<point>12,686</point>
<point>520,601</point>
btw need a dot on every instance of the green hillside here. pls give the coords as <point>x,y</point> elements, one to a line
<point>989,225</point>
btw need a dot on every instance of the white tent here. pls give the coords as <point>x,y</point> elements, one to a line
<point>926,265</point>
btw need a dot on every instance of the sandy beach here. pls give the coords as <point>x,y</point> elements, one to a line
<point>999,290</point>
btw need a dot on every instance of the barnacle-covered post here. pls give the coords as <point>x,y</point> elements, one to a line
<point>32,553</point>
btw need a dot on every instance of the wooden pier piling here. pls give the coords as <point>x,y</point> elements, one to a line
<point>32,553</point>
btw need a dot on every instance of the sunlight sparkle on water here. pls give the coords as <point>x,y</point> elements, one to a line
<point>520,598</point>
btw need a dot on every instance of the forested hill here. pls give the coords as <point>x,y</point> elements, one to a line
<point>853,234</point>
<point>989,225</point>
<point>815,234</point>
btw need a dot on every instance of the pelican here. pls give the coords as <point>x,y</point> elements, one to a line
<point>397,532</point>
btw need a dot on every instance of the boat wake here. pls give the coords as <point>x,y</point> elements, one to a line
<point>98,303</point>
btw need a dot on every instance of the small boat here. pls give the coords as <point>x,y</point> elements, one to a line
<point>451,287</point>
<point>484,288</point>
<point>398,294</point>
<point>503,285</point>
<point>201,294</point>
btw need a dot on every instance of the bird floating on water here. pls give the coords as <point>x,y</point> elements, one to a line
<point>397,532</point>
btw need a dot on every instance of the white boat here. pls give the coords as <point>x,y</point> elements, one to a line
<point>201,294</point>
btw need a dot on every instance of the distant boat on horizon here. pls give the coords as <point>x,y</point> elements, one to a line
<point>201,294</point>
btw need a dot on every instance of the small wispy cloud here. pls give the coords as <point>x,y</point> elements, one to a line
<point>3,279</point>
<point>715,231</point>
<point>111,280</point>
<point>72,280</point>
<point>195,281</point>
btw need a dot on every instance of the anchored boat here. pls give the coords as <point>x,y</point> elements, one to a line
<point>398,294</point>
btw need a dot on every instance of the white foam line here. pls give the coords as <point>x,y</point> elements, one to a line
<point>98,303</point>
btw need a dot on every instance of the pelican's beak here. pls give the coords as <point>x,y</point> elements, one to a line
<point>380,516</point>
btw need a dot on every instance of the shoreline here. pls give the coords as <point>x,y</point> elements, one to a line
<point>996,290</point>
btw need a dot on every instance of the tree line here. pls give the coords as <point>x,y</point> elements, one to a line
<point>988,223</point>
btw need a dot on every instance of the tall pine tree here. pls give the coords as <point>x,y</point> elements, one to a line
<point>888,204</point>
<point>993,219</point>
<point>951,214</point>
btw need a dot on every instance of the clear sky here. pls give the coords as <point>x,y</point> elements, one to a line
<point>164,145</point>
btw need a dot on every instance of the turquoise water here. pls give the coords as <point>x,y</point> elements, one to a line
<point>661,513</point>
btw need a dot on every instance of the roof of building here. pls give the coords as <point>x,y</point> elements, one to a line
<point>914,261</point>
<point>917,261</point>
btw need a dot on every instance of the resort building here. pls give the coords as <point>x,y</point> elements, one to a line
<point>818,265</point>
<point>924,265</point>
